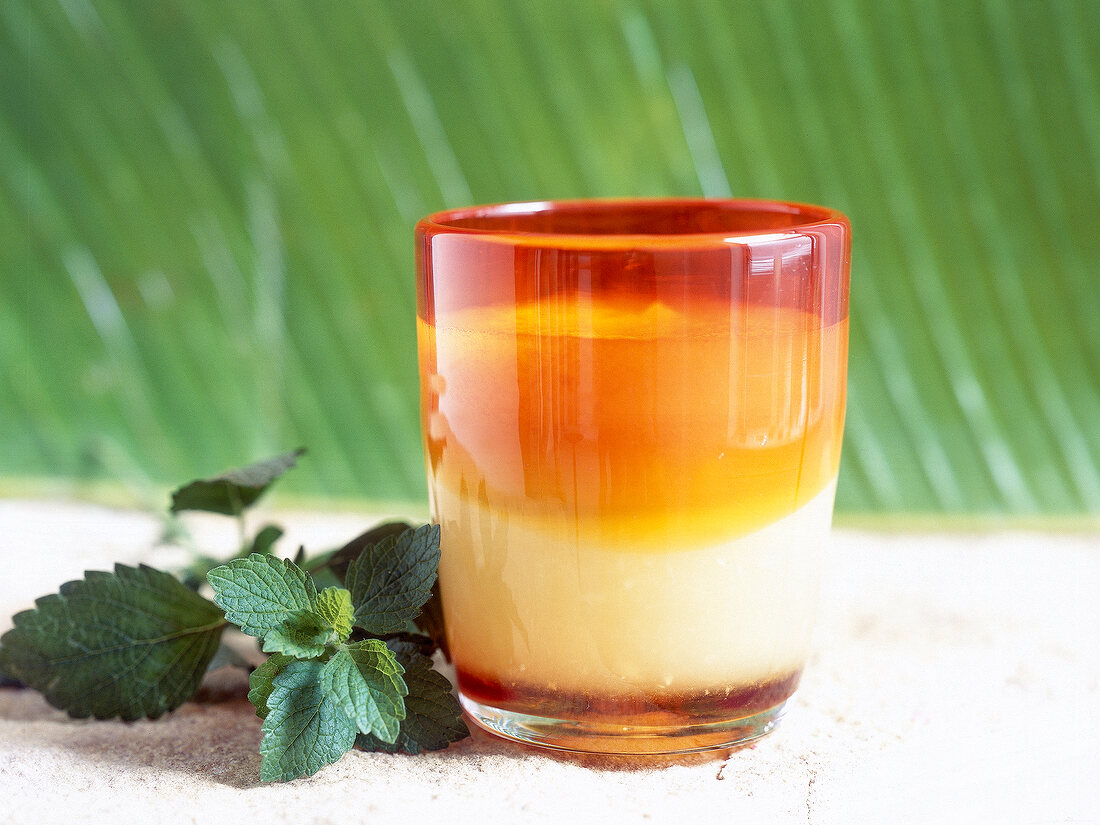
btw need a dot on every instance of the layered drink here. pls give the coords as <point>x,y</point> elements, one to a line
<point>632,450</point>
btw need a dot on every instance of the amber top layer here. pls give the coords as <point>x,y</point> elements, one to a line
<point>627,389</point>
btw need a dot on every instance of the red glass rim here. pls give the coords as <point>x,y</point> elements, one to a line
<point>613,221</point>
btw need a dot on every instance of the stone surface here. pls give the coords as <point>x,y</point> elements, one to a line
<point>956,679</point>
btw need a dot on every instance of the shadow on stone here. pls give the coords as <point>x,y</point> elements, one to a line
<point>218,743</point>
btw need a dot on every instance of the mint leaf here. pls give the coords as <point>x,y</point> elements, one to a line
<point>260,592</point>
<point>433,717</point>
<point>364,679</point>
<point>338,560</point>
<point>233,491</point>
<point>391,580</point>
<point>127,644</point>
<point>303,634</point>
<point>305,727</point>
<point>334,606</point>
<point>262,681</point>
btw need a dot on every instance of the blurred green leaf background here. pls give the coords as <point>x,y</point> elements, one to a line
<point>206,216</point>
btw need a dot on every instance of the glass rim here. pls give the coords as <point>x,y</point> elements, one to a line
<point>799,219</point>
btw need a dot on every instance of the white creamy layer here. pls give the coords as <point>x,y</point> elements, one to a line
<point>531,608</point>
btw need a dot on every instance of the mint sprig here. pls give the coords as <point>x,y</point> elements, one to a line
<point>344,668</point>
<point>321,691</point>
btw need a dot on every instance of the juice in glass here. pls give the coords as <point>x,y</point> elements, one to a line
<point>632,413</point>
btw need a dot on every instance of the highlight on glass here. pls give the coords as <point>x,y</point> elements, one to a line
<point>632,414</point>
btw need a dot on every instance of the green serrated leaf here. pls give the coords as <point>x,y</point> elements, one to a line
<point>130,644</point>
<point>433,717</point>
<point>303,634</point>
<point>392,579</point>
<point>233,491</point>
<point>334,606</point>
<point>261,682</point>
<point>338,560</point>
<point>305,727</point>
<point>260,592</point>
<point>365,680</point>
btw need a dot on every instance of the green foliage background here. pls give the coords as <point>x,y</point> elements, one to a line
<point>206,213</point>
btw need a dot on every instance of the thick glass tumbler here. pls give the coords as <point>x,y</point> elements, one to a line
<point>632,415</point>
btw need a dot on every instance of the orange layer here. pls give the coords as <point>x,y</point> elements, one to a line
<point>636,424</point>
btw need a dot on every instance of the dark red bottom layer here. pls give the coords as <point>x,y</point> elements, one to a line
<point>656,708</point>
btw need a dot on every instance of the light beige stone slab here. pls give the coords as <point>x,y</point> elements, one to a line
<point>956,678</point>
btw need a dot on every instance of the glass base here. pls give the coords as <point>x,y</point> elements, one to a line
<point>582,736</point>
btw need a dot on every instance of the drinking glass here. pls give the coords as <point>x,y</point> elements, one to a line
<point>632,414</point>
